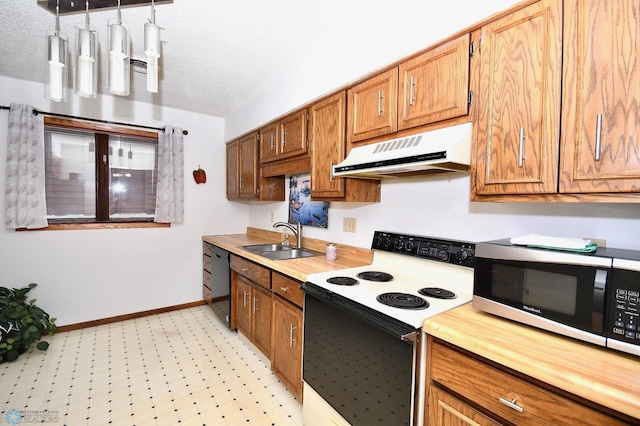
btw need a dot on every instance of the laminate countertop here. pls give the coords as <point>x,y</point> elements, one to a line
<point>606,377</point>
<point>348,256</point>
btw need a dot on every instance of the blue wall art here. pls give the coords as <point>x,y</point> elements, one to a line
<point>309,213</point>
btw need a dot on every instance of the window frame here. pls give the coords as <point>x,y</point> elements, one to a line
<point>102,170</point>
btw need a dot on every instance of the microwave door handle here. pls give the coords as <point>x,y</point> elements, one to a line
<point>599,287</point>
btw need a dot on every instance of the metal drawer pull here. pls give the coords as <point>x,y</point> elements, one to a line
<point>521,149</point>
<point>380,111</point>
<point>412,84</point>
<point>284,288</point>
<point>255,305</point>
<point>598,136</point>
<point>511,404</point>
<point>291,339</point>
<point>244,269</point>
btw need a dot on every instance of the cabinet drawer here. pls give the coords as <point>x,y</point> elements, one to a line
<point>206,278</point>
<point>206,247</point>
<point>206,262</point>
<point>253,271</point>
<point>287,288</point>
<point>206,294</point>
<point>507,396</point>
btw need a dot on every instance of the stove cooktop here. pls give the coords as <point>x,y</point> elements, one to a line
<point>407,264</point>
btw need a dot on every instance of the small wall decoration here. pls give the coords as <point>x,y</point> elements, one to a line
<point>199,175</point>
<point>309,213</point>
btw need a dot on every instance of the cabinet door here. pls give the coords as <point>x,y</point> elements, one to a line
<point>286,352</point>
<point>372,107</point>
<point>446,410</point>
<point>517,131</point>
<point>269,143</point>
<point>244,313</point>
<point>326,133</point>
<point>233,158</point>
<point>435,85</point>
<point>601,97</point>
<point>261,310</point>
<point>293,135</point>
<point>249,166</point>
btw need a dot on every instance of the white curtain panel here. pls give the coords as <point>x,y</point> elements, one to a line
<point>25,186</point>
<point>170,191</point>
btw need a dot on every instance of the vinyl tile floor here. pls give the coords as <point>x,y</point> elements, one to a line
<point>179,367</point>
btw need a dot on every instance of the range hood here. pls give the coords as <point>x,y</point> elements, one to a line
<point>446,149</point>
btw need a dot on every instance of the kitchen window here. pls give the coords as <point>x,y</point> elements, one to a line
<point>99,174</point>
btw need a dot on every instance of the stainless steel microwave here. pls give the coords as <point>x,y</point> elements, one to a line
<point>591,297</point>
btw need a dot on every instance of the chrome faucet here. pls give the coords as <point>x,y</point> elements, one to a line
<point>296,229</point>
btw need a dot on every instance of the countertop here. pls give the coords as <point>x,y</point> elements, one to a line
<point>348,256</point>
<point>606,377</point>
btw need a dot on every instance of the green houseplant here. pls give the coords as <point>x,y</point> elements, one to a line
<point>22,323</point>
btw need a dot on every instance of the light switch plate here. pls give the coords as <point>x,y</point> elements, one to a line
<point>349,224</point>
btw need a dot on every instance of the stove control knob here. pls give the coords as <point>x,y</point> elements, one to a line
<point>378,241</point>
<point>399,244</point>
<point>409,246</point>
<point>387,242</point>
<point>463,255</point>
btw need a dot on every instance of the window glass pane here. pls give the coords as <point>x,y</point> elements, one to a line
<point>70,174</point>
<point>132,177</point>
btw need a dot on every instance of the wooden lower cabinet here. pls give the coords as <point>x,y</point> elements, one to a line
<point>286,341</point>
<point>446,409</point>
<point>253,315</point>
<point>206,273</point>
<point>489,394</point>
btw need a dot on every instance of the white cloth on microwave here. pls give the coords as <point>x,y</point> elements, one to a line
<point>549,241</point>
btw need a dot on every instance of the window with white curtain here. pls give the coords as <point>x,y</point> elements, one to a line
<point>93,175</point>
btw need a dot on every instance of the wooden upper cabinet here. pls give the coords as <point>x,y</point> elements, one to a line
<point>327,138</point>
<point>435,85</point>
<point>233,179</point>
<point>372,107</point>
<point>328,147</point>
<point>518,127</point>
<point>269,143</point>
<point>601,97</point>
<point>293,134</point>
<point>248,146</point>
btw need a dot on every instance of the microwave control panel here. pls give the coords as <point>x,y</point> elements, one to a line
<point>450,251</point>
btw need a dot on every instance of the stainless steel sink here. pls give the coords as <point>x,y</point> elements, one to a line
<point>288,254</point>
<point>259,248</point>
<point>279,251</point>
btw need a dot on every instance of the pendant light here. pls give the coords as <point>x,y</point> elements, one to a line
<point>86,77</point>
<point>152,50</point>
<point>118,71</point>
<point>56,70</point>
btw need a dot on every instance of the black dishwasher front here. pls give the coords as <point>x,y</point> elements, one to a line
<point>221,283</point>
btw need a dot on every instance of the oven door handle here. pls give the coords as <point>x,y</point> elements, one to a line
<point>410,337</point>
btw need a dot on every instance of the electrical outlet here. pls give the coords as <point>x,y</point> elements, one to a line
<point>349,224</point>
<point>599,243</point>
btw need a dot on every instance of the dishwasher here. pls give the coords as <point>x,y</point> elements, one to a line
<point>221,283</point>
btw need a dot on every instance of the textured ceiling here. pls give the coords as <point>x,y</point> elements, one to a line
<point>218,55</point>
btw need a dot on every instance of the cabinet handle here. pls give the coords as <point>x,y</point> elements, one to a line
<point>511,404</point>
<point>255,304</point>
<point>598,136</point>
<point>283,134</point>
<point>412,84</point>
<point>244,269</point>
<point>240,182</point>
<point>284,288</point>
<point>380,110</point>
<point>244,299</point>
<point>330,171</point>
<point>272,141</point>
<point>521,148</point>
<point>291,339</point>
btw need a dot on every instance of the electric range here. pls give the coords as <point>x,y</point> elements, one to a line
<point>363,344</point>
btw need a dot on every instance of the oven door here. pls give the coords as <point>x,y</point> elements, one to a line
<point>560,292</point>
<point>358,360</point>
